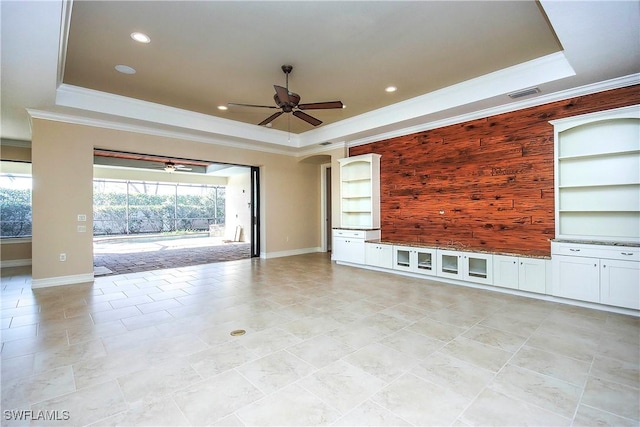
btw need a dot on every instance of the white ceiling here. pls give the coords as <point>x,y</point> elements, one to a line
<point>450,61</point>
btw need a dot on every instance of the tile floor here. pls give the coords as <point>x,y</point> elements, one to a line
<point>325,345</point>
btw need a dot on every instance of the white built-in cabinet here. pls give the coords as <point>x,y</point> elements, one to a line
<point>415,259</point>
<point>596,256</point>
<point>620,283</point>
<point>597,176</point>
<point>525,274</point>
<point>467,266</point>
<point>349,245</point>
<point>605,274</point>
<point>360,191</point>
<point>379,255</point>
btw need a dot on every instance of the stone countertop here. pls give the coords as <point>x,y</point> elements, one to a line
<point>595,242</point>
<point>454,247</point>
<point>355,229</point>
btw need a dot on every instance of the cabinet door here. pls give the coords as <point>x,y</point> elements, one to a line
<point>576,278</point>
<point>425,261</point>
<point>348,250</point>
<point>478,268</point>
<point>385,259</point>
<point>403,258</point>
<point>532,275</point>
<point>449,264</point>
<point>620,283</point>
<point>378,255</point>
<point>505,270</point>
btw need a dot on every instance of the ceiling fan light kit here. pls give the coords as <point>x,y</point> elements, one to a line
<point>289,102</point>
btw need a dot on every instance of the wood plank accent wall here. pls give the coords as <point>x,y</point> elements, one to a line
<point>485,184</point>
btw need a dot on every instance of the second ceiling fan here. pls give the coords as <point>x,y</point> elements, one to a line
<point>288,102</point>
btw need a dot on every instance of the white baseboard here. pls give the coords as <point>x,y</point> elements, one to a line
<point>62,280</point>
<point>15,263</point>
<point>267,255</point>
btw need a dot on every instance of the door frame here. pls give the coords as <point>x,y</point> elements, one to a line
<point>325,202</point>
<point>255,211</point>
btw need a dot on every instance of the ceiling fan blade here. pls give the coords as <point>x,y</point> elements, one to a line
<point>321,105</point>
<point>283,94</point>
<point>270,118</point>
<point>233,104</point>
<point>307,118</point>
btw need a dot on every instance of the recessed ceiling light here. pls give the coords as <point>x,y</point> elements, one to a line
<point>390,89</point>
<point>125,69</point>
<point>141,37</point>
<point>222,107</point>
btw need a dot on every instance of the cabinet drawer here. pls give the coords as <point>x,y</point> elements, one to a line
<point>624,253</point>
<point>354,234</point>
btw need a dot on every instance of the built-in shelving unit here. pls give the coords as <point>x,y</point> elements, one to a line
<point>597,175</point>
<point>360,192</point>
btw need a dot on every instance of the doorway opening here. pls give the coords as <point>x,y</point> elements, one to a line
<point>153,212</point>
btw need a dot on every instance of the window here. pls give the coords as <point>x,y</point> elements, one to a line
<point>15,205</point>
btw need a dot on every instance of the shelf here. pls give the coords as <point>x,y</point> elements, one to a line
<point>366,178</point>
<point>425,266</point>
<point>481,274</point>
<point>603,211</point>
<point>598,155</point>
<point>450,270</point>
<point>624,184</point>
<point>360,191</point>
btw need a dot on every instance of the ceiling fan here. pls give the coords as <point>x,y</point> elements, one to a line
<point>288,102</point>
<point>172,167</point>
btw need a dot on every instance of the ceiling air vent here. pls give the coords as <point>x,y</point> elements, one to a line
<point>325,143</point>
<point>525,92</point>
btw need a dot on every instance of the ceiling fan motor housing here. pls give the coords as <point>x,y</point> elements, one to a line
<point>287,107</point>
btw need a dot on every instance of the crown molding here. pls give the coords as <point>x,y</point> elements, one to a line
<point>130,108</point>
<point>616,83</point>
<point>150,130</point>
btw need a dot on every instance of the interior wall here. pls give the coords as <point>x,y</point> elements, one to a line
<point>289,191</point>
<point>484,184</point>
<point>8,151</point>
<point>238,206</point>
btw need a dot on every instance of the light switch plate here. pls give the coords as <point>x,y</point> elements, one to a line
<point>82,217</point>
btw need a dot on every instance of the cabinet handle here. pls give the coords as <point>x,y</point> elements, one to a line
<point>604,266</point>
<point>626,253</point>
<point>574,250</point>
<point>595,265</point>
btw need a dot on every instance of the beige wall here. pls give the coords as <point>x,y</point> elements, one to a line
<point>237,206</point>
<point>13,250</point>
<point>63,171</point>
<point>10,152</point>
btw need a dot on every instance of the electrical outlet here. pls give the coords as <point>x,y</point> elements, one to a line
<point>82,229</point>
<point>63,257</point>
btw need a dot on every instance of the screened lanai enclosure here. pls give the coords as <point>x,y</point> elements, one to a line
<point>141,207</point>
<point>151,212</point>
